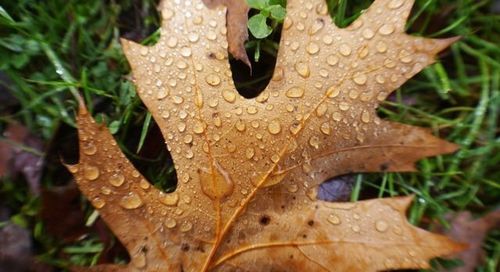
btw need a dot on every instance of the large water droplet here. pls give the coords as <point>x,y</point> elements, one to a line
<point>117,180</point>
<point>131,201</point>
<point>312,48</point>
<point>325,128</point>
<point>249,153</point>
<point>314,141</point>
<point>216,182</point>
<point>91,172</point>
<point>213,80</point>
<point>386,29</point>
<point>394,4</point>
<point>365,117</point>
<point>360,79</point>
<point>368,33</point>
<point>274,127</point>
<point>345,50</point>
<point>334,219</point>
<point>98,203</point>
<point>381,226</point>
<point>332,60</point>
<point>229,95</point>
<point>332,92</point>
<point>316,26</point>
<point>295,92</point>
<point>170,223</point>
<point>198,127</point>
<point>186,226</point>
<point>89,149</point>
<point>303,69</point>
<point>186,51</point>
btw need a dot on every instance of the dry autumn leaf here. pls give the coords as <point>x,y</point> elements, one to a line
<point>248,169</point>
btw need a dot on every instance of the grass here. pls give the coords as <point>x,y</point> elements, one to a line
<point>51,50</point>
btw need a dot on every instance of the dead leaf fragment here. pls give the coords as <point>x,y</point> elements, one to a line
<point>248,169</point>
<point>21,152</point>
<point>472,232</point>
<point>237,30</point>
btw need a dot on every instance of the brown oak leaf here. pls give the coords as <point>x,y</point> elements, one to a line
<point>248,169</point>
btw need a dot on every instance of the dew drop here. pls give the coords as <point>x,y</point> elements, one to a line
<point>117,180</point>
<point>332,92</point>
<point>314,142</point>
<point>144,51</point>
<point>332,60</point>
<point>356,228</point>
<point>178,100</point>
<point>295,92</point>
<point>172,42</point>
<point>211,35</point>
<point>386,29</point>
<point>213,80</point>
<point>368,33</point>
<point>91,172</point>
<point>322,109</point>
<point>144,184</point>
<point>381,47</point>
<point>229,95</point>
<point>345,50</point>
<point>325,128</point>
<point>344,106</point>
<point>317,26</point>
<point>381,226</point>
<point>162,93</point>
<point>303,69</point>
<point>98,203</point>
<point>312,48</point>
<point>193,37</point>
<point>274,127</point>
<point>395,4</point>
<point>198,127</point>
<point>365,117</point>
<point>139,260</point>
<point>186,226</point>
<point>293,188</point>
<point>275,158</point>
<point>186,51</point>
<point>249,153</point>
<point>181,127</point>
<point>170,223</point>
<point>167,14</point>
<point>73,168</point>
<point>360,79</point>
<point>89,149</point>
<point>131,201</point>
<point>334,219</point>
<point>240,126</point>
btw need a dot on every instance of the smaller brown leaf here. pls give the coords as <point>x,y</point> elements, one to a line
<point>20,152</point>
<point>472,232</point>
<point>61,212</point>
<point>237,31</point>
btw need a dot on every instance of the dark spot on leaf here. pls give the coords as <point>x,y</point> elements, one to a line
<point>384,166</point>
<point>310,223</point>
<point>185,247</point>
<point>265,220</point>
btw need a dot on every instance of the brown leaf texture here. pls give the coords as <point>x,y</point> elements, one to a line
<point>248,169</point>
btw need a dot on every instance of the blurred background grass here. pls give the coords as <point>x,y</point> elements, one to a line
<point>49,49</point>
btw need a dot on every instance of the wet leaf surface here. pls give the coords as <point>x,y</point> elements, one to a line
<point>248,169</point>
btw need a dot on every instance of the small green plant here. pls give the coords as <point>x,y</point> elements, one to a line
<point>271,13</point>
